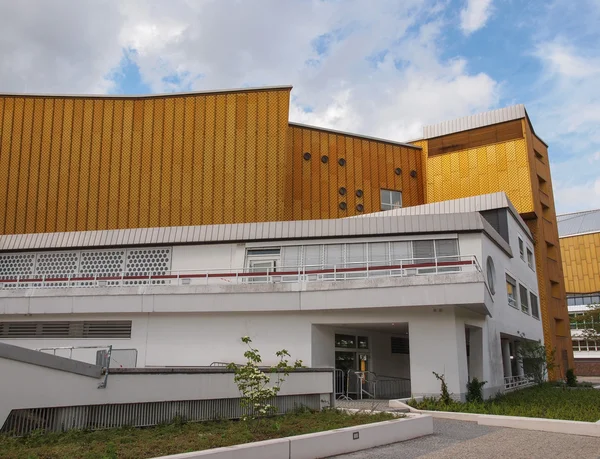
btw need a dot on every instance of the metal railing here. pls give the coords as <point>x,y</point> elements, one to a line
<point>517,382</point>
<point>105,358</point>
<point>367,384</point>
<point>282,274</point>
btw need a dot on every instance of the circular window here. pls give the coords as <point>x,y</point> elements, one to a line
<point>359,193</point>
<point>398,171</point>
<point>343,205</point>
<point>306,156</point>
<point>342,191</point>
<point>491,274</point>
<point>342,162</point>
<point>360,207</point>
<point>324,159</point>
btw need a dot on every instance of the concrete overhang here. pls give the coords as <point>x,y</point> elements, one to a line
<point>464,289</point>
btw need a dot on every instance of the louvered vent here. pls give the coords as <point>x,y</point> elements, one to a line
<point>56,329</point>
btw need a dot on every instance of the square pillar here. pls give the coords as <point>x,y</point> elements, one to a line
<point>437,343</point>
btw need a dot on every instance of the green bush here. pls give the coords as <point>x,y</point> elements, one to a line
<point>571,378</point>
<point>474,393</point>
<point>445,395</point>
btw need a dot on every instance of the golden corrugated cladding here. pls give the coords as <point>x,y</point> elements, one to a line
<point>313,186</point>
<point>581,262</point>
<point>86,163</point>
<point>501,166</point>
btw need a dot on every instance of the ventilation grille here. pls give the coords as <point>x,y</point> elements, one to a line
<point>400,345</point>
<point>96,417</point>
<point>15,264</point>
<point>85,329</point>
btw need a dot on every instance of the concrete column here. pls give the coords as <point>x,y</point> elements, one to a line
<point>520,371</point>
<point>437,343</point>
<point>506,358</point>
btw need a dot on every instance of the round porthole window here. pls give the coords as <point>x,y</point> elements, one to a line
<point>491,274</point>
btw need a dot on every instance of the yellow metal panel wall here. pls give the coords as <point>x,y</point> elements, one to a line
<point>369,166</point>
<point>86,163</point>
<point>581,263</point>
<point>499,167</point>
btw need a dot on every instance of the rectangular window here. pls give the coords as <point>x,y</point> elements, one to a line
<point>424,253</point>
<point>391,199</point>
<point>535,309</point>
<point>524,299</point>
<point>363,342</point>
<point>575,345</point>
<point>521,249</point>
<point>530,258</point>
<point>378,253</point>
<point>446,251</point>
<point>345,341</point>
<point>511,291</point>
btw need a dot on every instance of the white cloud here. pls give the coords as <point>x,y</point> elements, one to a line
<point>568,112</point>
<point>475,15</point>
<point>59,46</point>
<point>375,68</point>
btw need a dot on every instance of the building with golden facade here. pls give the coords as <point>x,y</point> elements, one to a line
<point>73,164</point>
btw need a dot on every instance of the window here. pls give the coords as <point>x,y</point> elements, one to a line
<point>400,345</point>
<point>446,251</point>
<point>351,341</point>
<point>491,275</point>
<point>535,310</point>
<point>511,291</point>
<point>391,199</point>
<point>524,299</point>
<point>424,252</point>
<point>521,249</point>
<point>263,260</point>
<point>530,258</point>
<point>345,341</point>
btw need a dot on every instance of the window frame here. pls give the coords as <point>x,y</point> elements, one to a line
<point>515,296</point>
<point>524,297</point>
<point>521,248</point>
<point>530,261</point>
<point>533,296</point>
<point>389,204</point>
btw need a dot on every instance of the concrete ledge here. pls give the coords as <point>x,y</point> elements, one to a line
<point>323,444</point>
<point>589,429</point>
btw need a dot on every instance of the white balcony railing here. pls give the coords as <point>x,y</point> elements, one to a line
<point>313,273</point>
<point>517,382</point>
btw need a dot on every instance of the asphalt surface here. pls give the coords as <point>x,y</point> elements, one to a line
<point>468,440</point>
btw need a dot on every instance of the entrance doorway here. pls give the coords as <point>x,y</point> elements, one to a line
<point>351,356</point>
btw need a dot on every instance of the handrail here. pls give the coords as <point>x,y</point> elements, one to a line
<point>105,370</point>
<point>307,273</point>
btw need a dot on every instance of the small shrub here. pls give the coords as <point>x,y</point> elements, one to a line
<point>255,384</point>
<point>474,393</point>
<point>571,378</point>
<point>445,395</point>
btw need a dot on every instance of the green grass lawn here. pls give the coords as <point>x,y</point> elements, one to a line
<point>132,443</point>
<point>545,401</point>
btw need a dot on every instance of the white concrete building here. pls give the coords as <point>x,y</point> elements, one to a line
<point>443,287</point>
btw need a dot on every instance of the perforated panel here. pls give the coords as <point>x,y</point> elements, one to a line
<point>57,263</point>
<point>102,262</point>
<point>146,262</point>
<point>16,265</point>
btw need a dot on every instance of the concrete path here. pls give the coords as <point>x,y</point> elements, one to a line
<point>468,440</point>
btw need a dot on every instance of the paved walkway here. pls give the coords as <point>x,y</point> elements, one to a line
<point>468,440</point>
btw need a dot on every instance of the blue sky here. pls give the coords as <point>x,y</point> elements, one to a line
<point>381,68</point>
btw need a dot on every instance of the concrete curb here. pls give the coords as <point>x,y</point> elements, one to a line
<point>589,429</point>
<point>323,444</point>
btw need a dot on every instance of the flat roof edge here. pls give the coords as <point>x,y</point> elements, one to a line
<point>148,96</point>
<point>353,134</point>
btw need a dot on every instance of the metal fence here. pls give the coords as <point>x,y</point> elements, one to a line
<point>96,417</point>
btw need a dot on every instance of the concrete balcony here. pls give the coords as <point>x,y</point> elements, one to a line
<point>449,282</point>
